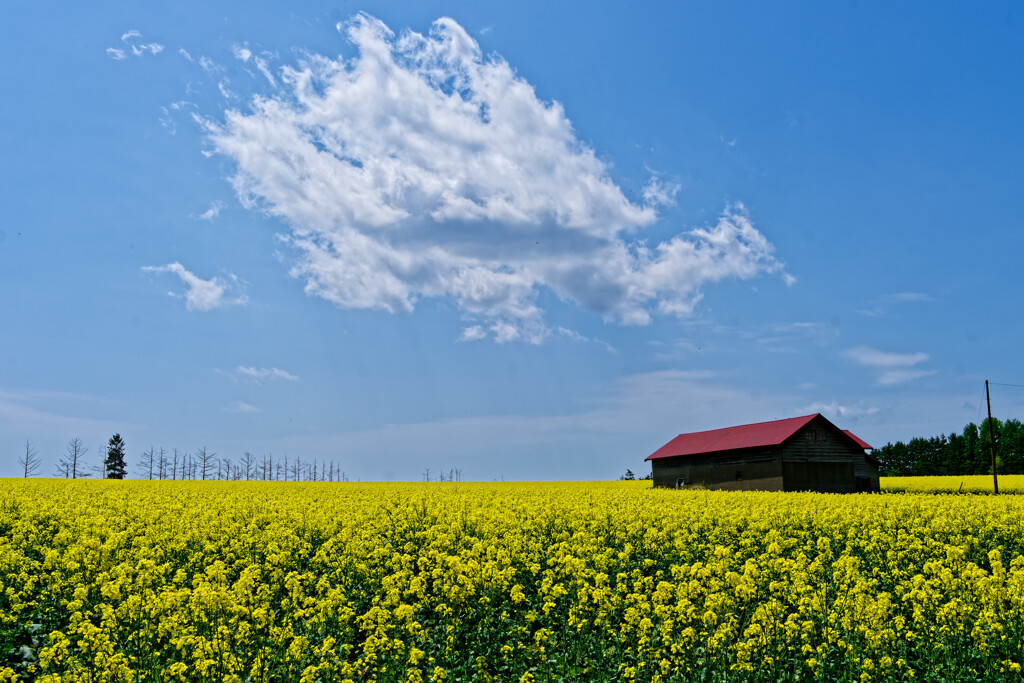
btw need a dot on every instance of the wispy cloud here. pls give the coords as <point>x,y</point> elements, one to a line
<point>790,335</point>
<point>167,117</point>
<point>576,336</point>
<point>834,409</point>
<point>260,374</point>
<point>200,294</point>
<point>778,337</point>
<point>890,368</point>
<point>61,411</point>
<point>885,303</point>
<point>473,333</point>
<point>211,213</point>
<point>658,192</point>
<point>240,407</point>
<point>421,168</point>
<point>133,45</point>
<point>261,61</point>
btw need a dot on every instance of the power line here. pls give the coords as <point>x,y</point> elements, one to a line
<point>1001,384</point>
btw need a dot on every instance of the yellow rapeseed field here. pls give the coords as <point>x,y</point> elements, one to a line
<point>969,483</point>
<point>269,581</point>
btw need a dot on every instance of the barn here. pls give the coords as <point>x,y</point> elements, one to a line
<point>806,453</point>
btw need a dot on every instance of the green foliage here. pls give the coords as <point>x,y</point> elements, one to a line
<point>114,464</point>
<point>965,453</point>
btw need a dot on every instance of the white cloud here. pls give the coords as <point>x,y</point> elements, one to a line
<point>658,192</point>
<point>473,333</point>
<point>865,355</point>
<point>420,168</point>
<point>891,368</point>
<point>246,55</point>
<point>835,410</point>
<point>202,295</point>
<point>883,304</point>
<point>908,297</point>
<point>133,44</point>
<point>240,407</point>
<point>576,336</point>
<point>259,374</point>
<point>889,377</point>
<point>211,213</point>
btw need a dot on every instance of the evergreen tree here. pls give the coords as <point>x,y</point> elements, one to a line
<point>115,462</point>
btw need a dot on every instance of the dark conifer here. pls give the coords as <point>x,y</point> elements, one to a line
<point>115,464</point>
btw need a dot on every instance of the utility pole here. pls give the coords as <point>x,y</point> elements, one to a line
<point>991,442</point>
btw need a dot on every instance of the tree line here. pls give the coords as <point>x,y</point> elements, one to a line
<point>161,464</point>
<point>964,453</point>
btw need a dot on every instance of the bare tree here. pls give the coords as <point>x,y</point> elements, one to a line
<point>426,474</point>
<point>162,463</point>
<point>72,463</point>
<point>227,468</point>
<point>248,462</point>
<point>101,469</point>
<point>205,460</point>
<point>30,461</point>
<point>174,466</point>
<point>148,462</point>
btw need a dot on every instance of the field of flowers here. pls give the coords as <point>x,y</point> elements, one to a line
<point>971,483</point>
<point>269,581</point>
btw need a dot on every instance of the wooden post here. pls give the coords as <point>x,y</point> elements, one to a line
<point>991,442</point>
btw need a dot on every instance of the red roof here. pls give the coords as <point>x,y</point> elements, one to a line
<point>755,435</point>
<point>860,442</point>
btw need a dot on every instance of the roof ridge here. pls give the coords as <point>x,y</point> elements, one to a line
<point>755,434</point>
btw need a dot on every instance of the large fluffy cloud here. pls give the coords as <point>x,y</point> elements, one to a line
<point>420,168</point>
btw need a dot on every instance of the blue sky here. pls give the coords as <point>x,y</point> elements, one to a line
<point>515,239</point>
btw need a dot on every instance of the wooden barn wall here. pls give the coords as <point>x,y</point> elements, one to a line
<point>820,458</point>
<point>757,469</point>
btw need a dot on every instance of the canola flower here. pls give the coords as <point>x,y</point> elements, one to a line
<point>969,483</point>
<point>268,581</point>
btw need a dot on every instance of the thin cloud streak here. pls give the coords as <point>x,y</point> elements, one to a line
<point>132,44</point>
<point>891,368</point>
<point>265,373</point>
<point>202,295</point>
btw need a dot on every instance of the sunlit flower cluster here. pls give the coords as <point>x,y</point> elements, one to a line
<point>270,581</point>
